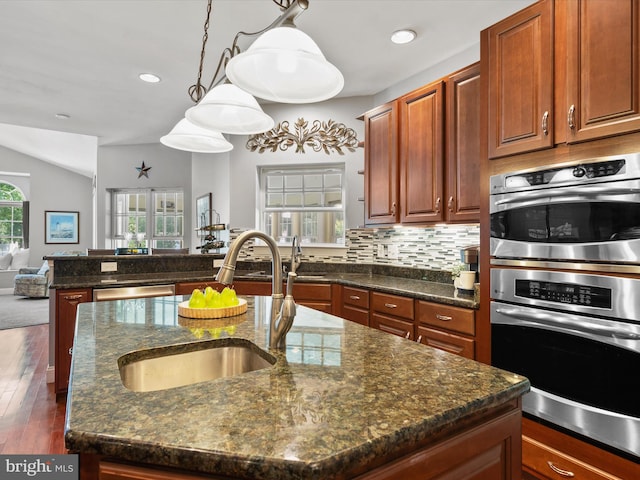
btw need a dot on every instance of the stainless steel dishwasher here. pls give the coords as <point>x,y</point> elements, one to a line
<point>121,293</point>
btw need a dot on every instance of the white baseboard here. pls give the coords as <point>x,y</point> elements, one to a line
<point>51,373</point>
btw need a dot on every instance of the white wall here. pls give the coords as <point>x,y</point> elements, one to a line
<point>117,165</point>
<point>210,174</point>
<point>51,188</point>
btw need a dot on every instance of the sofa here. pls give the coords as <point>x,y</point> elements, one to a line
<point>32,281</point>
<point>11,261</point>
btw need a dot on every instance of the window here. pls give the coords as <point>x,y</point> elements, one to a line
<point>156,216</point>
<point>307,201</point>
<point>11,216</point>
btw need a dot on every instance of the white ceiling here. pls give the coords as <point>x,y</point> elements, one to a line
<point>82,57</point>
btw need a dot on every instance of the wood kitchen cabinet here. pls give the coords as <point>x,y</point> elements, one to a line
<point>187,288</point>
<point>66,307</point>
<point>519,57</point>
<point>381,165</point>
<point>603,68</point>
<point>462,167</point>
<point>392,314</point>
<point>562,72</point>
<point>421,154</point>
<point>411,176</point>
<point>355,305</point>
<point>549,454</point>
<point>446,327</point>
<point>314,295</point>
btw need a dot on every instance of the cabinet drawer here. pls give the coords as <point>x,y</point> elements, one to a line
<point>456,319</point>
<point>356,297</point>
<point>392,305</point>
<point>355,314</point>
<point>312,291</point>
<point>540,458</point>
<point>395,326</point>
<point>465,347</point>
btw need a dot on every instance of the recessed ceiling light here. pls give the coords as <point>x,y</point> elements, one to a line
<point>403,36</point>
<point>149,77</point>
<point>63,116</point>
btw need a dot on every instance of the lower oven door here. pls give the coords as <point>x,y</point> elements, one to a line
<point>583,370</point>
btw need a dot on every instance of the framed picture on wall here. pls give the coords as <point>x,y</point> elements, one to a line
<point>204,213</point>
<point>61,227</point>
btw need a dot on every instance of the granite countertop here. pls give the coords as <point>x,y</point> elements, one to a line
<point>342,395</point>
<point>420,289</point>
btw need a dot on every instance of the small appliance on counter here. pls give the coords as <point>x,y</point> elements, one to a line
<point>471,257</point>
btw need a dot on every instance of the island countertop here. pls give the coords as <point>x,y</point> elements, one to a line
<point>342,394</point>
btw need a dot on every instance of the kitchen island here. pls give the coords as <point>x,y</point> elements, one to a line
<point>343,401</point>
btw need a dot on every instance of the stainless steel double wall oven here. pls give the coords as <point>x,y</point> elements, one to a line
<point>565,289</point>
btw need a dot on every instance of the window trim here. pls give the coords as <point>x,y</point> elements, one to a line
<point>150,215</point>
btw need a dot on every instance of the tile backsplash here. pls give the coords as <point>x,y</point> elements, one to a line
<point>433,248</point>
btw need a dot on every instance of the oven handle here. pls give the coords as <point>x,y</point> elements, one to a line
<point>556,320</point>
<point>584,190</point>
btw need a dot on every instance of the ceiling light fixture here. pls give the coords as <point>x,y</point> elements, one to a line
<point>283,65</point>
<point>191,138</point>
<point>403,36</point>
<point>63,116</point>
<point>149,77</point>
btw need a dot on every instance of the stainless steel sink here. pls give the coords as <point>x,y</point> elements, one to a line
<point>178,365</point>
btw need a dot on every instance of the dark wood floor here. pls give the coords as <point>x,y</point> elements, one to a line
<point>31,420</point>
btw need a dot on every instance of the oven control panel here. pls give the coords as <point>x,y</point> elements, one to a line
<point>566,293</point>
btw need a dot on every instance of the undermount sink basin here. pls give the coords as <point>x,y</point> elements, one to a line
<point>178,365</point>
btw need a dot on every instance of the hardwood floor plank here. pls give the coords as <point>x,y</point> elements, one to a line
<point>31,418</point>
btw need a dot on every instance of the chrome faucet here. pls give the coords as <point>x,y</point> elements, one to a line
<point>296,253</point>
<point>283,309</point>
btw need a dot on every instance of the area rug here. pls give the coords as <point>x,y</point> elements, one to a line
<point>18,311</point>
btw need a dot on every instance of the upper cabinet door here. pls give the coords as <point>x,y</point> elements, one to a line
<point>381,165</point>
<point>520,81</point>
<point>603,77</point>
<point>421,154</point>
<point>463,145</point>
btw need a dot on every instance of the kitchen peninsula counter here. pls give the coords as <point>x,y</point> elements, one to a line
<point>84,272</point>
<point>343,400</point>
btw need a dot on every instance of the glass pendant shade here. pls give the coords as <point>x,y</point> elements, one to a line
<point>285,65</point>
<point>191,138</point>
<point>226,108</point>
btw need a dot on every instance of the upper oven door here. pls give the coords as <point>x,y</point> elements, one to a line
<point>589,222</point>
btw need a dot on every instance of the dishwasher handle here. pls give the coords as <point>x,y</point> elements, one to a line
<point>122,293</point>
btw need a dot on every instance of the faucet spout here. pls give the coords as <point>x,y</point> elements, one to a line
<point>277,327</point>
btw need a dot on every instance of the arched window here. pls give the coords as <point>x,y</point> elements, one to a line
<point>11,216</point>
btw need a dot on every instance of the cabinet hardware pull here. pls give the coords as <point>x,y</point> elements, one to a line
<point>438,205</point>
<point>419,339</point>
<point>560,471</point>
<point>444,318</point>
<point>571,117</point>
<point>72,297</point>
<point>354,297</point>
<point>450,204</point>
<point>545,123</point>
<point>393,208</point>
<point>407,335</point>
<point>390,305</point>
<point>70,350</point>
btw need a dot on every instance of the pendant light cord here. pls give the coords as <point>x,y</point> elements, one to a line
<point>197,91</point>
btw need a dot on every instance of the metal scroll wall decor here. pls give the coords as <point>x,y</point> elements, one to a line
<point>327,136</point>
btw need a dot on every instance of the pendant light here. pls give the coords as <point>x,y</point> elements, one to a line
<point>191,138</point>
<point>228,109</point>
<point>285,65</point>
